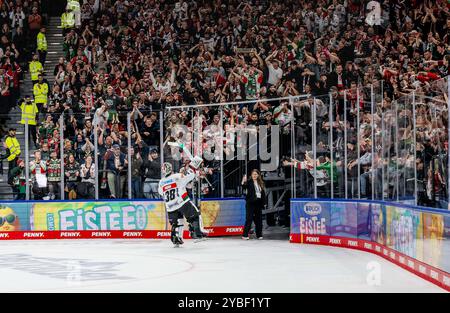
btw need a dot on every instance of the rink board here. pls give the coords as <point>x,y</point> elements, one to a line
<point>414,238</point>
<point>111,219</point>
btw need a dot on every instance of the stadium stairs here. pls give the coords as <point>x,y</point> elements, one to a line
<point>55,51</point>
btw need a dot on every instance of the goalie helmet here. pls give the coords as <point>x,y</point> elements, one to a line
<point>166,169</point>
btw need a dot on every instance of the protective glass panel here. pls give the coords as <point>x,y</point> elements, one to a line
<point>323,173</point>
<point>301,171</point>
<point>77,148</point>
<point>351,109</point>
<point>377,140</point>
<point>338,122</point>
<point>432,142</point>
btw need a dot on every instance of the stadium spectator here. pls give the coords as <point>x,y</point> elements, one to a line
<point>54,176</point>
<point>38,169</point>
<point>136,175</point>
<point>116,163</point>
<point>132,57</point>
<point>34,23</point>
<point>86,189</point>
<point>152,171</point>
<point>72,175</point>
<point>18,180</point>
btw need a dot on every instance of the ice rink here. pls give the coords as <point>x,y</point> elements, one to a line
<point>214,265</point>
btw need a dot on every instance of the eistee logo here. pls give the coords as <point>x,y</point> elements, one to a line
<point>312,208</point>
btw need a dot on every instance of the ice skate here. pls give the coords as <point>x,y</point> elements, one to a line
<point>177,242</point>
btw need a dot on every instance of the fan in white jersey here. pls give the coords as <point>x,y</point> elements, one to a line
<point>178,204</point>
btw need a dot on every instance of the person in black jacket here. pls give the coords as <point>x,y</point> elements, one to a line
<point>152,171</point>
<point>255,202</point>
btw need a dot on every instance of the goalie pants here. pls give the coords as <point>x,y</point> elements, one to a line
<point>190,212</point>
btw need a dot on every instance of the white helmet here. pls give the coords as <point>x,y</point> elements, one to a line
<point>166,169</point>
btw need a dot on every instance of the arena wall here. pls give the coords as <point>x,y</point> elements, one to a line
<point>111,219</point>
<point>415,238</point>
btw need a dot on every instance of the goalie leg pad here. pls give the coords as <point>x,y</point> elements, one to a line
<point>189,211</point>
<point>176,220</point>
<point>192,215</point>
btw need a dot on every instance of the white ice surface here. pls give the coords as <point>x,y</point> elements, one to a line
<point>215,265</point>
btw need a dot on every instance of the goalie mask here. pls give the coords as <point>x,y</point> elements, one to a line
<point>166,169</point>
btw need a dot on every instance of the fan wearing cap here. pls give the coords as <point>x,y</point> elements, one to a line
<point>13,146</point>
<point>35,68</point>
<point>40,92</point>
<point>29,112</point>
<point>152,171</point>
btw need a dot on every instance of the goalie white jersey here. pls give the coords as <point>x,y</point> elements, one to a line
<point>173,190</point>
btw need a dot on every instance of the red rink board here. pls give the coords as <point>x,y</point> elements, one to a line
<point>428,272</point>
<point>113,234</point>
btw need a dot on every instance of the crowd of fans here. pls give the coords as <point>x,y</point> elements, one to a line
<point>20,22</point>
<point>144,56</point>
